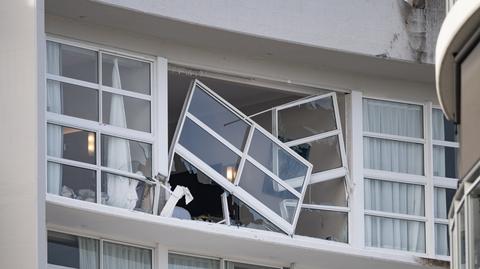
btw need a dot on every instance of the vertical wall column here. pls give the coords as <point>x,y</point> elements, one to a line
<point>22,141</point>
<point>355,147</point>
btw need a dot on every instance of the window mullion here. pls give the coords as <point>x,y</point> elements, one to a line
<point>429,187</point>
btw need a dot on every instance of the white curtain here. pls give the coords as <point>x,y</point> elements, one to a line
<point>88,252</point>
<point>116,256</point>
<point>441,232</point>
<point>438,152</point>
<point>398,119</point>
<point>121,191</point>
<point>54,132</point>
<point>188,262</point>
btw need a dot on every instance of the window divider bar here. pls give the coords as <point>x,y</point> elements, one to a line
<point>441,221</point>
<point>400,216</point>
<point>73,81</point>
<point>72,163</point>
<point>394,176</point>
<point>304,100</point>
<point>312,138</point>
<point>326,208</point>
<point>328,175</point>
<point>448,144</point>
<point>394,137</point>
<point>244,155</point>
<point>126,93</point>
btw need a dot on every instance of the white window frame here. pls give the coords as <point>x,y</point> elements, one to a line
<point>101,240</point>
<point>428,180</point>
<point>234,187</point>
<point>158,136</point>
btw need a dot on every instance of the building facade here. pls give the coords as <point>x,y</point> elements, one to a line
<point>250,134</point>
<point>457,88</point>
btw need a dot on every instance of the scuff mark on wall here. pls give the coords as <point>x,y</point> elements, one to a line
<point>417,33</point>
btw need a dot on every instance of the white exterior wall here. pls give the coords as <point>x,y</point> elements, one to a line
<point>387,29</point>
<point>22,185</point>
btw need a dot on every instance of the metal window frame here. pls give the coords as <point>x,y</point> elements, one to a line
<point>234,187</point>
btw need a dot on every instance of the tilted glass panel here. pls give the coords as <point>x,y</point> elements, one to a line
<point>394,197</point>
<point>393,118</point>
<point>73,62</point>
<point>71,143</point>
<point>126,112</point>
<point>72,182</point>
<point>264,119</point>
<point>329,225</point>
<point>219,118</point>
<point>126,74</point>
<point>208,149</point>
<point>244,216</point>
<point>268,191</point>
<point>324,154</point>
<point>328,192</point>
<point>306,119</point>
<point>278,161</point>
<point>127,155</point>
<point>72,100</point>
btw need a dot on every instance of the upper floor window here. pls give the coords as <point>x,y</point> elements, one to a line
<point>100,134</point>
<point>406,161</point>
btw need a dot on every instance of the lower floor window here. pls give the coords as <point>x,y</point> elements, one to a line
<point>180,261</point>
<point>71,251</point>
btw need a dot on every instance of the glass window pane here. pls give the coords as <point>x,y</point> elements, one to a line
<point>127,74</point>
<point>122,256</point>
<point>406,235</point>
<point>126,112</point>
<point>329,225</point>
<point>461,238</point>
<point>177,261</point>
<point>475,216</point>
<point>72,62</point>
<point>442,240</point>
<point>70,143</point>
<point>306,119</point>
<point>72,100</point>
<point>268,191</point>
<point>72,182</point>
<point>394,197</point>
<point>392,118</point>
<point>443,129</point>
<point>125,192</point>
<point>72,251</point>
<point>329,192</point>
<point>244,216</point>
<point>323,154</point>
<point>127,155</point>
<point>264,120</point>
<point>445,162</point>
<point>277,160</point>
<point>219,118</point>
<point>443,198</point>
<point>395,156</point>
<point>209,150</point>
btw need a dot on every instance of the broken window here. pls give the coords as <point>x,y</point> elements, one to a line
<point>241,158</point>
<point>312,128</point>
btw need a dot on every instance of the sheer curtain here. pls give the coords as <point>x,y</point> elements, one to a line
<point>121,191</point>
<point>438,152</point>
<point>116,256</point>
<point>404,120</point>
<point>54,132</point>
<point>176,261</point>
<point>88,253</point>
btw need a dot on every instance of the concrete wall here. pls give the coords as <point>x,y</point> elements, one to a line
<point>22,194</point>
<point>380,28</point>
<point>231,62</point>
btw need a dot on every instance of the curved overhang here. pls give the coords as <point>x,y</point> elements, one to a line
<point>460,23</point>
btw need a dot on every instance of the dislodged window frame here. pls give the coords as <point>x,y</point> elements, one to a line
<point>234,187</point>
<point>322,176</point>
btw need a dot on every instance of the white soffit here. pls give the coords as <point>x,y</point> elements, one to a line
<point>461,21</point>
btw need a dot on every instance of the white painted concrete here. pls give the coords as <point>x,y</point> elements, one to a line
<point>391,29</point>
<point>22,194</point>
